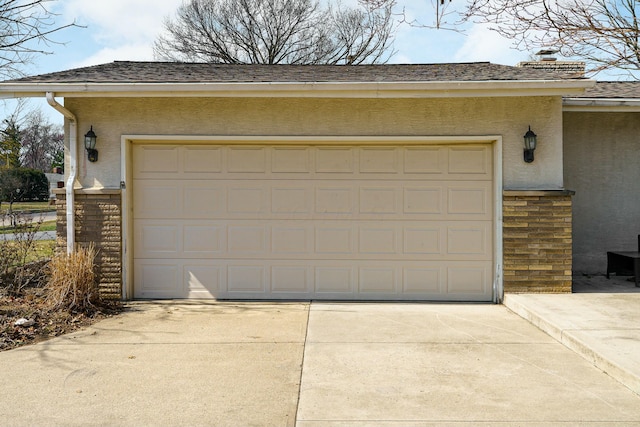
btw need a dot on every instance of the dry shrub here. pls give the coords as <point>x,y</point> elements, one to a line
<point>72,285</point>
<point>20,263</point>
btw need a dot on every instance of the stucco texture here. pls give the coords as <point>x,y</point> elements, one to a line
<point>602,165</point>
<point>508,117</point>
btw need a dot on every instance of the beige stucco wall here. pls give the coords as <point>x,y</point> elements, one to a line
<point>602,165</point>
<point>506,116</point>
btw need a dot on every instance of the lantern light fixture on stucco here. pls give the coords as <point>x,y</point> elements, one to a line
<point>90,145</point>
<point>530,142</point>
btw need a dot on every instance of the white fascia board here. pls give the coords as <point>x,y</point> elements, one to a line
<point>604,105</point>
<point>492,88</point>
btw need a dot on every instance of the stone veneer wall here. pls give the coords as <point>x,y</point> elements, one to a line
<point>537,243</point>
<point>98,217</point>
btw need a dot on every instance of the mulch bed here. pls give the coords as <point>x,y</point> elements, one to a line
<point>47,323</point>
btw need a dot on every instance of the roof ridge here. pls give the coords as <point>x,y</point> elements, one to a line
<point>125,72</point>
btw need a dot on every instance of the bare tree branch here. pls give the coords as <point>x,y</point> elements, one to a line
<point>605,33</point>
<point>25,30</point>
<point>276,32</point>
<point>41,141</point>
<point>440,20</point>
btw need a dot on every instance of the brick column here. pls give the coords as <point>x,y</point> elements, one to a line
<point>98,219</point>
<point>537,250</point>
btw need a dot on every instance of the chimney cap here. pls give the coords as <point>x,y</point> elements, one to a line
<point>547,54</point>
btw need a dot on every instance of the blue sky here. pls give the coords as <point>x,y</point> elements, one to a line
<point>126,29</point>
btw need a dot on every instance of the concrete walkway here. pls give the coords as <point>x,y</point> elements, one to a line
<point>319,364</point>
<point>600,321</point>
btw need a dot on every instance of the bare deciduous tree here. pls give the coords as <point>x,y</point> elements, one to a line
<point>26,27</point>
<point>439,20</point>
<point>276,32</point>
<point>605,33</point>
<point>41,142</point>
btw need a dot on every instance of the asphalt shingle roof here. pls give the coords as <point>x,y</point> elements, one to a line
<point>621,89</point>
<point>173,72</point>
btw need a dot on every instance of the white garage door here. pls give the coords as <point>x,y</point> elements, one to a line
<point>313,222</point>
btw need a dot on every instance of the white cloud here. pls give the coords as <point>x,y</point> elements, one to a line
<point>114,20</point>
<point>482,44</point>
<point>133,52</point>
<point>126,30</point>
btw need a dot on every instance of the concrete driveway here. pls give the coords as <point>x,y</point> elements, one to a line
<point>309,364</point>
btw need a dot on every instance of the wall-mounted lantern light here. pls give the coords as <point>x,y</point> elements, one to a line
<point>530,141</point>
<point>90,145</point>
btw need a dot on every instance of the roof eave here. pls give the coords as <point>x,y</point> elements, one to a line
<point>303,89</point>
<point>610,105</point>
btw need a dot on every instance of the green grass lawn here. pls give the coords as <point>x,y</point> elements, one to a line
<point>39,249</point>
<point>42,249</point>
<point>45,226</point>
<point>27,207</point>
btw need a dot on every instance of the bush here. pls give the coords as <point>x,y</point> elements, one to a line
<point>72,285</point>
<point>23,184</point>
<point>20,265</point>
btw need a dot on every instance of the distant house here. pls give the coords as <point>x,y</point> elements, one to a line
<point>54,178</point>
<point>382,182</point>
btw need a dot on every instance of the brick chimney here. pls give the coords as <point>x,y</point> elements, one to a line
<point>548,62</point>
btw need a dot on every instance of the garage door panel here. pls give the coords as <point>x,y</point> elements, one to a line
<point>333,160</point>
<point>292,239</point>
<point>328,222</point>
<point>378,239</point>
<point>247,278</point>
<point>328,162</point>
<point>425,160</point>
<point>334,199</point>
<point>291,279</point>
<point>379,160</point>
<point>223,279</point>
<point>157,199</point>
<point>273,240</point>
<point>470,161</point>
<point>157,238</point>
<point>423,240</point>
<point>470,200</point>
<point>423,280</point>
<point>378,280</point>
<point>200,240</point>
<point>157,279</point>
<point>203,280</point>
<point>379,199</point>
<point>291,160</point>
<point>290,199</point>
<point>423,200</point>
<point>247,198</point>
<point>247,159</point>
<point>470,238</point>
<point>202,159</point>
<point>202,200</point>
<point>247,239</point>
<point>468,279</point>
<point>155,160</point>
<point>334,240</point>
<point>335,280</point>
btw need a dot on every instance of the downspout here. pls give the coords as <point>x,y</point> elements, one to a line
<point>73,166</point>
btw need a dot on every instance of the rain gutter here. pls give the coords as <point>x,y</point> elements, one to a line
<point>420,89</point>
<point>629,105</point>
<point>73,166</point>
